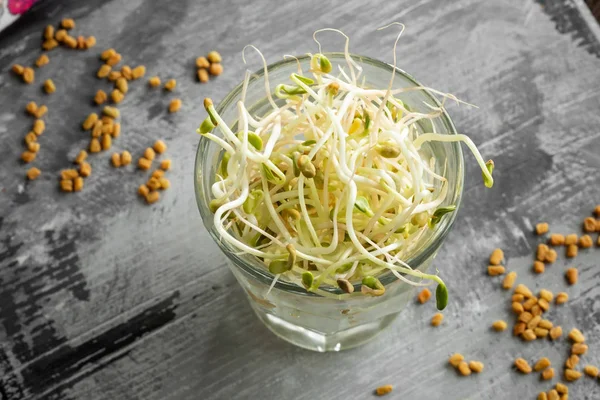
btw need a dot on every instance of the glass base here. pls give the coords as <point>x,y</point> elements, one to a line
<point>321,342</point>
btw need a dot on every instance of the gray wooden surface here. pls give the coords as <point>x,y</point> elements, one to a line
<point>103,297</point>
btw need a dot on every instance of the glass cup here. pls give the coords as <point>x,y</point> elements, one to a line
<point>330,320</point>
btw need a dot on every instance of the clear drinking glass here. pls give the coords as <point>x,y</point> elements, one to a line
<point>335,320</point>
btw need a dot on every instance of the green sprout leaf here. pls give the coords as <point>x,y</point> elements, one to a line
<point>307,279</point>
<point>271,177</point>
<point>278,267</point>
<point>309,142</point>
<point>344,268</point>
<point>362,205</point>
<point>253,201</point>
<point>224,163</point>
<point>441,296</point>
<point>206,126</point>
<point>490,167</point>
<point>303,79</point>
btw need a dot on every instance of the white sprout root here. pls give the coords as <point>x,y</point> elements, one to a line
<point>331,185</point>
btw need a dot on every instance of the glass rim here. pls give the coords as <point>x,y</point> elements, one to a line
<point>259,271</point>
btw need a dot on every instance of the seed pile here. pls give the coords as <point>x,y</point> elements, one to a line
<point>157,181</point>
<point>31,139</point>
<point>209,65</point>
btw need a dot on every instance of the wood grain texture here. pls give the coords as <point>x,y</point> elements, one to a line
<point>102,297</point>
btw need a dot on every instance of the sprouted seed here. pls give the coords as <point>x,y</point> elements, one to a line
<point>347,161</point>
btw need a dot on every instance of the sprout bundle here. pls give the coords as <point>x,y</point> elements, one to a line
<point>330,187</point>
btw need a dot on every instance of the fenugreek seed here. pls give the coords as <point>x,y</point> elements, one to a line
<point>534,321</point>
<point>545,324</point>
<point>30,137</point>
<point>555,332</point>
<point>529,303</point>
<point>165,165</point>
<point>517,308</point>
<point>34,147</point>
<point>538,267</point>
<point>66,185</point>
<point>90,121</point>
<point>542,396</point>
<point>97,129</point>
<point>49,44</point>
<point>550,256</point>
<point>542,364</point>
<point>110,111</point>
<point>476,366</point>
<point>464,369</point>
<point>170,85</point>
<point>496,257</point>
<point>154,81</point>
<point>69,174</point>
<point>525,317</point>
<point>203,75</point>
<point>556,239</point>
<point>33,173</point>
<point>114,75</point>
<point>591,371</point>
<point>528,335</point>
<point>524,290</point>
<point>536,310</point>
<point>42,60</point>
<point>31,108</point>
<point>383,390</point>
<point>49,86</point>
<point>48,32</point>
<point>546,295</point>
<point>540,332</point>
<point>589,224</point>
<point>28,75</point>
<point>103,71</point>
<point>95,146</point>
<point>138,72</point>
<point>494,270</point>
<point>345,285</point>
<point>38,127</point>
<point>586,242</point>
<point>149,153</point>
<point>126,72</point>
<point>18,69</point>
<point>77,184</point>
<point>202,62</point>
<point>553,395</point>
<point>437,319</point>
<point>509,280</point>
<point>144,163</point>
<point>548,374</point>
<point>116,132</point>
<point>152,197</point>
<point>100,97</point>
<point>571,239</point>
<point>90,42</point>
<point>215,69</point>
<point>522,366</point>
<point>544,305</point>
<point>158,173</point>
<point>518,298</point>
<point>85,169</point>
<point>562,298</point>
<point>67,23</point>
<point>60,35</point>
<point>122,85</point>
<point>159,147</point>
<point>81,42</point>
<point>571,375</point>
<point>572,361</point>
<point>562,388</point>
<point>153,184</point>
<point>143,190</point>
<point>579,348</point>
<point>28,156</point>
<point>541,251</point>
<point>174,105</point>
<point>541,228</point>
<point>572,275</point>
<point>108,53</point>
<point>214,57</point>
<point>499,325</point>
<point>70,42</point>
<point>81,157</point>
<point>164,183</point>
<point>519,328</point>
<point>125,158</point>
<point>116,96</point>
<point>114,59</point>
<point>116,160</point>
<point>41,111</point>
<point>424,296</point>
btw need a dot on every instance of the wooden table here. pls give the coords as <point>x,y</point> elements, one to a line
<point>104,297</point>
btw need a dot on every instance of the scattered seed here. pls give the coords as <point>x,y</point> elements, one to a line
<point>33,173</point>
<point>97,130</point>
<point>138,72</point>
<point>90,42</point>
<point>524,290</point>
<point>572,361</point>
<point>437,319</point>
<point>517,308</point>
<point>95,146</point>
<point>103,71</point>
<point>533,322</point>
<point>455,359</point>
<point>42,60</point>
<point>543,304</point>
<point>114,59</point>
<point>541,228</point>
<point>215,69</point>
<point>31,137</point>
<point>31,108</point>
<point>116,131</point>
<point>424,296</point>
<point>519,328</point>
<point>116,160</point>
<point>67,23</point>
<point>579,348</point>
<point>523,366</point>
<point>60,35</point>
<point>41,111</point>
<point>555,332</point>
<point>153,184</point>
<point>550,256</point>
<point>165,184</point>
<point>114,75</point>
<point>116,96</point>
<point>542,364</point>
<point>591,371</point>
<point>496,257</point>
<point>143,190</point>
<point>576,336</point>
<point>78,184</point>
<point>170,85</point>
<point>203,75</point>
<point>34,147</point>
<point>48,32</point>
<point>110,111</point>
<point>38,126</point>
<point>536,310</point>
<point>529,303</point>
<point>518,298</point>
<point>85,169</point>
<point>546,295</point>
<point>126,72</point>
<point>152,197</point>
<point>586,242</point>
<point>66,185</point>
<point>69,174</point>
<point>538,267</point>
<point>562,298</point>
<point>81,157</point>
<point>174,105</point>
<point>571,275</point>
<point>464,369</point>
<point>562,388</point>
<point>122,85</point>
<point>571,239</point>
<point>70,41</point>
<point>106,54</point>
<point>81,42</point>
<point>541,251</point>
<point>89,122</point>
<point>383,390</point>
<point>476,366</point>
<point>525,316</point>
<point>556,239</point>
<point>214,57</point>
<point>106,141</point>
<point>125,158</point>
<point>28,75</point>
<point>18,69</point>
<point>528,335</point>
<point>100,97</point>
<point>144,163</point>
<point>542,396</point>
<point>154,81</point>
<point>165,165</point>
<point>494,270</point>
<point>509,280</point>
<point>499,325</point>
<point>553,395</point>
<point>50,44</point>
<point>49,86</point>
<point>589,224</point>
<point>28,156</point>
<point>548,374</point>
<point>571,375</point>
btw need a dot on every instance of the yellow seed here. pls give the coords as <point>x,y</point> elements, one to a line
<point>144,163</point>
<point>546,295</point>
<point>95,146</point>
<point>66,185</point>
<point>214,57</point>
<point>562,298</point>
<point>541,228</point>
<point>81,157</point>
<point>203,75</point>
<point>114,75</point>
<point>215,69</point>
<point>519,328</point>
<point>90,42</point>
<point>543,304</point>
<point>67,23</point>
<point>525,317</point>
<point>174,105</point>
<point>496,257</point>
<point>541,251</point>
<point>542,396</point>
<point>536,310</point>
<point>170,85</point>
<point>31,137</point>
<point>556,239</point>
<point>589,224</point>
<point>383,390</point>
<point>571,275</point>
<point>116,132</point>
<point>49,86</point>
<point>522,365</point>
<point>572,251</point>
<point>77,184</point>
<point>106,141</point>
<point>455,359</point>
<point>18,69</point>
<point>579,348</point>
<point>158,173</point>
<point>586,241</point>
<point>28,156</point>
<point>524,290</point>
<point>100,97</point>
<point>114,59</point>
<point>138,72</point>
<point>164,183</point>
<point>152,197</point>
<point>116,160</point>
<point>97,130</point>
<point>533,322</point>
<point>106,54</point>
<point>540,332</point>
<point>550,256</point>
<point>538,267</point>
<point>202,62</point>
<point>49,44</point>
<point>555,332</point>
<point>90,121</point>
<point>517,308</point>
<point>576,336</point>
<point>518,298</point>
<point>69,174</point>
<point>464,369</point>
<point>110,111</point>
<point>437,319</point>
<point>154,81</point>
<point>529,335</point>
<point>509,280</point>
<point>424,296</point>
<point>542,364</point>
<point>553,395</point>
<point>571,375</point>
<point>85,169</point>
<point>33,173</point>
<point>571,239</point>
<point>116,96</point>
<point>165,165</point>
<point>529,303</point>
<point>149,153</point>
<point>48,32</point>
<point>545,324</point>
<point>81,42</point>
<point>143,190</point>
<point>41,111</point>
<point>31,108</point>
<point>34,147</point>
<point>499,325</point>
<point>121,84</point>
<point>42,60</point>
<point>60,35</point>
<point>70,41</point>
<point>591,371</point>
<point>38,127</point>
<point>494,270</point>
<point>126,72</point>
<point>562,388</point>
<point>476,366</point>
<point>548,374</point>
<point>125,158</point>
<point>572,361</point>
<point>28,75</point>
